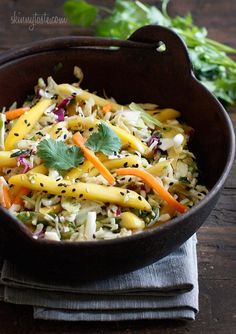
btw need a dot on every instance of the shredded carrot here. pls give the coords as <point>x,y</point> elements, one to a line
<point>15,113</point>
<point>153,183</point>
<point>79,141</point>
<point>5,198</point>
<point>18,198</point>
<point>107,107</point>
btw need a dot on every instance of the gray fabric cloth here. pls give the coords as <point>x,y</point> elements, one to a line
<point>167,289</point>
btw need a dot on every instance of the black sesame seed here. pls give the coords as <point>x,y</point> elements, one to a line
<point>90,129</point>
<point>65,136</point>
<point>25,121</point>
<point>122,194</point>
<point>28,124</point>
<point>16,134</point>
<point>140,198</point>
<point>130,179</point>
<point>171,183</point>
<point>74,94</point>
<point>58,179</point>
<point>136,165</point>
<point>128,191</point>
<point>63,192</point>
<point>73,190</point>
<point>41,184</point>
<point>81,195</point>
<point>60,185</point>
<point>122,179</point>
<point>45,191</point>
<point>9,171</point>
<point>126,164</point>
<point>77,180</point>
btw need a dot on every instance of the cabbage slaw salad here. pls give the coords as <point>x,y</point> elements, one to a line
<point>75,166</point>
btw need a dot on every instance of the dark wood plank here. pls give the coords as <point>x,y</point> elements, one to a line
<point>216,247</point>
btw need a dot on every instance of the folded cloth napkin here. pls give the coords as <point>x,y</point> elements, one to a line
<point>168,289</point>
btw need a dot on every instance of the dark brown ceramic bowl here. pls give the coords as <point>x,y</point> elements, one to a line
<point>131,70</point>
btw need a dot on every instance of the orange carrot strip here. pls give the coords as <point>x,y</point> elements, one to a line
<point>79,141</point>
<point>153,183</point>
<point>107,107</point>
<point>15,113</point>
<point>18,198</point>
<point>5,198</point>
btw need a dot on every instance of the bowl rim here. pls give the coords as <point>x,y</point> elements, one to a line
<point>66,42</point>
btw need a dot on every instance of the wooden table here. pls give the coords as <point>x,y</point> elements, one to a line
<point>216,248</point>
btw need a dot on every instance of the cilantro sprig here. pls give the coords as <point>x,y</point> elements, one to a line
<point>104,140</point>
<point>211,63</point>
<point>57,155</point>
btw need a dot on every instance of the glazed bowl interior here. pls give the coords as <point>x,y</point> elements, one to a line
<point>138,74</point>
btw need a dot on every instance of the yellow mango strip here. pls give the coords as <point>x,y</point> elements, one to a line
<point>132,160</point>
<point>130,221</point>
<point>6,160</point>
<point>25,123</point>
<point>88,191</point>
<point>77,172</point>
<point>159,167</point>
<point>68,90</point>
<point>163,115</point>
<point>77,121</point>
<point>56,129</point>
<point>39,169</point>
<point>128,139</point>
<point>86,167</point>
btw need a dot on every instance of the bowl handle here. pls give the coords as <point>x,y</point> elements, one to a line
<point>175,50</point>
<point>147,37</point>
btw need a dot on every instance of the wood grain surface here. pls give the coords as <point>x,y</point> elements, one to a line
<point>217,238</point>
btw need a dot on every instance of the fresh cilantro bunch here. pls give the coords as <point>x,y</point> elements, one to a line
<point>211,63</point>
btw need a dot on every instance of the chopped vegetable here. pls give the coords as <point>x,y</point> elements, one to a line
<point>22,192</point>
<point>130,221</point>
<point>79,140</point>
<point>15,113</point>
<point>65,190</point>
<point>5,198</point>
<point>155,185</point>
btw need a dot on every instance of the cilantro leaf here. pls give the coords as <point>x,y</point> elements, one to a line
<point>80,12</point>
<point>58,155</point>
<point>104,140</point>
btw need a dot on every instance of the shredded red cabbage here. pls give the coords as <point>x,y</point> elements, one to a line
<point>155,138</point>
<point>60,109</point>
<point>21,161</point>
